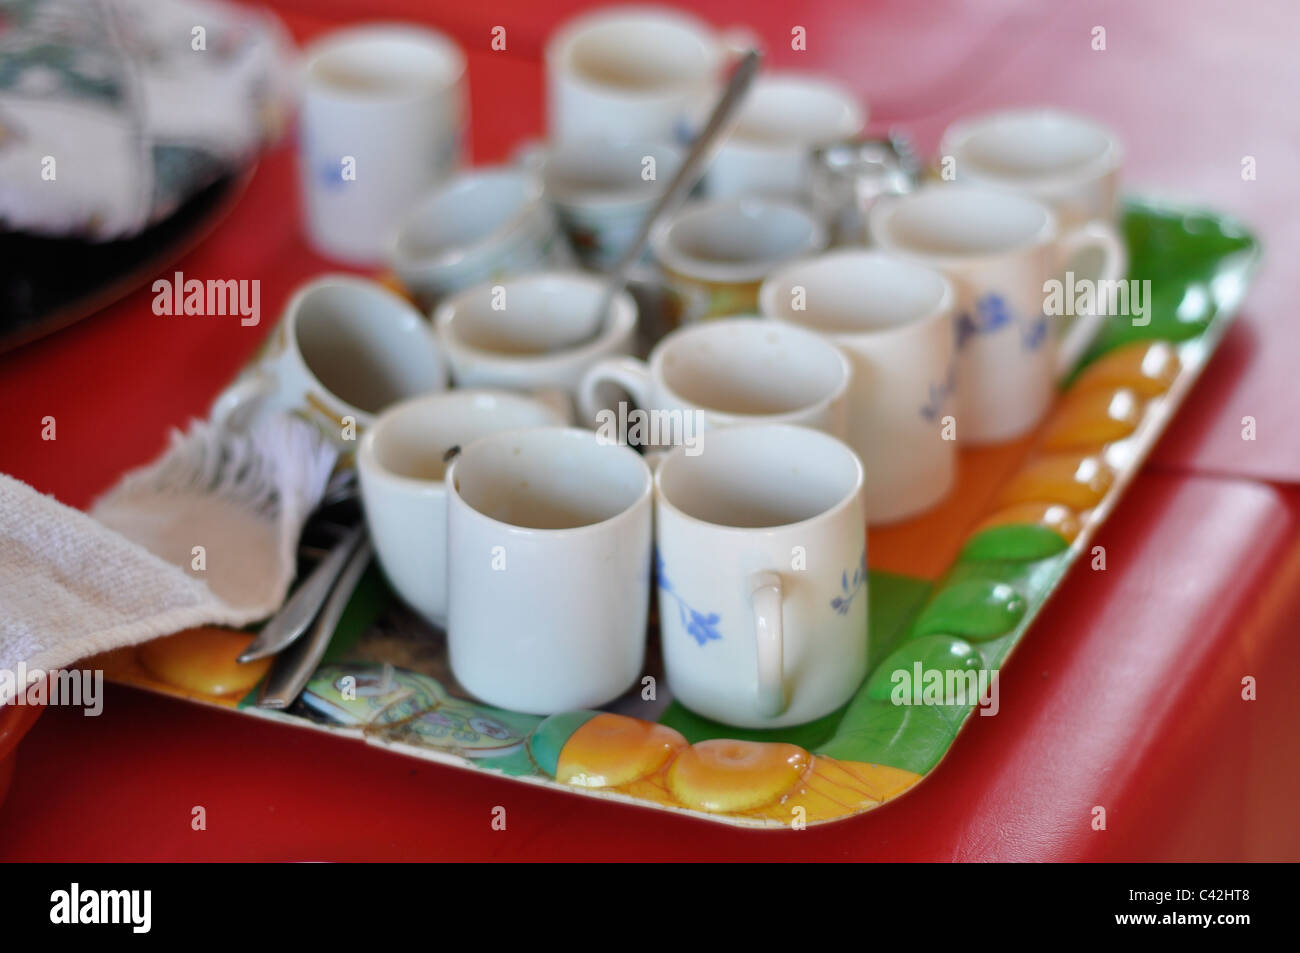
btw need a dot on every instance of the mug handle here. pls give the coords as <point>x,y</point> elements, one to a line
<point>1101,236</point>
<point>627,372</point>
<point>233,407</point>
<point>765,597</point>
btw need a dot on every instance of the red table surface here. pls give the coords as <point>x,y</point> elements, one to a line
<point>1125,695</point>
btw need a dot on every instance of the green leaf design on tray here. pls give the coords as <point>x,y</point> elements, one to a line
<point>934,653</point>
<point>912,737</point>
<point>1198,264</point>
<point>1015,543</point>
<point>977,609</point>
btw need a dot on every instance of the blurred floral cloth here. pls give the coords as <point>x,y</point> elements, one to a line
<point>113,112</point>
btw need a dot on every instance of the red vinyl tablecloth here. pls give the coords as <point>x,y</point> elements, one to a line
<point>1127,692</point>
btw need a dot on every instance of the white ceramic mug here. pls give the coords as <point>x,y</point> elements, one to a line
<point>549,586</point>
<point>384,109</point>
<point>602,190</point>
<point>345,349</point>
<point>483,225</point>
<point>999,248</point>
<point>893,319</point>
<point>1065,161</point>
<point>783,119</point>
<point>731,371</point>
<point>401,466</point>
<point>762,569</point>
<point>629,72</point>
<point>538,332</point>
<point>715,254</point>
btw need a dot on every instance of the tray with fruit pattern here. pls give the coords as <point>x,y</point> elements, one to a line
<point>953,591</point>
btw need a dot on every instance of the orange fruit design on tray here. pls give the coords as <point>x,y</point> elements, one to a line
<point>614,751</point>
<point>1077,480</point>
<point>762,780</point>
<point>203,661</point>
<point>1089,419</point>
<point>1148,369</point>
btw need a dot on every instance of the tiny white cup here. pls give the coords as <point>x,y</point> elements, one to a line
<point>761,557</point>
<point>742,370</point>
<point>783,119</point>
<point>603,190</point>
<point>488,223</point>
<point>629,72</point>
<point>538,332</point>
<point>384,108</point>
<point>999,248</point>
<point>715,254</point>
<point>344,350</point>
<point>550,585</point>
<point>893,319</point>
<point>401,466</point>
<point>1068,162</point>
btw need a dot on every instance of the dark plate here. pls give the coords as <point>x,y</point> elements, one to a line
<point>48,283</point>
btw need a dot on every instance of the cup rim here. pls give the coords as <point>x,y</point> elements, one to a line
<point>559,47</point>
<point>960,132</point>
<point>559,433</point>
<point>290,316</point>
<point>621,321</point>
<point>767,296</point>
<point>627,197</point>
<point>678,453</point>
<point>858,114</point>
<point>880,215</point>
<point>371,466</point>
<point>385,29</point>
<point>451,256</point>
<point>785,418</point>
<point>697,269</point>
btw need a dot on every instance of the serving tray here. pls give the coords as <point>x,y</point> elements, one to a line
<point>950,593</point>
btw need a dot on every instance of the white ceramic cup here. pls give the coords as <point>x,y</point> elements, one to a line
<point>731,371</point>
<point>549,586</point>
<point>715,254</point>
<point>603,190</point>
<point>998,248</point>
<point>629,72</point>
<point>783,119</point>
<point>482,225</point>
<point>401,466</point>
<point>538,332</point>
<point>761,556</point>
<point>344,350</point>
<point>384,109</point>
<point>893,319</point>
<point>1065,161</point>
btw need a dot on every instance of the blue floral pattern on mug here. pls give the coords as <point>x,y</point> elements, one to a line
<point>700,626</point>
<point>1033,336</point>
<point>991,314</point>
<point>851,588</point>
<point>940,394</point>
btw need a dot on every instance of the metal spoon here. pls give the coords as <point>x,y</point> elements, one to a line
<point>294,667</point>
<point>688,173</point>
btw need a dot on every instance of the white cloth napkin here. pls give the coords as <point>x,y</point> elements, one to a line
<point>73,585</point>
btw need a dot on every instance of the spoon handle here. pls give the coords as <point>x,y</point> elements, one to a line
<point>291,621</point>
<point>689,172</point>
<point>294,667</point>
